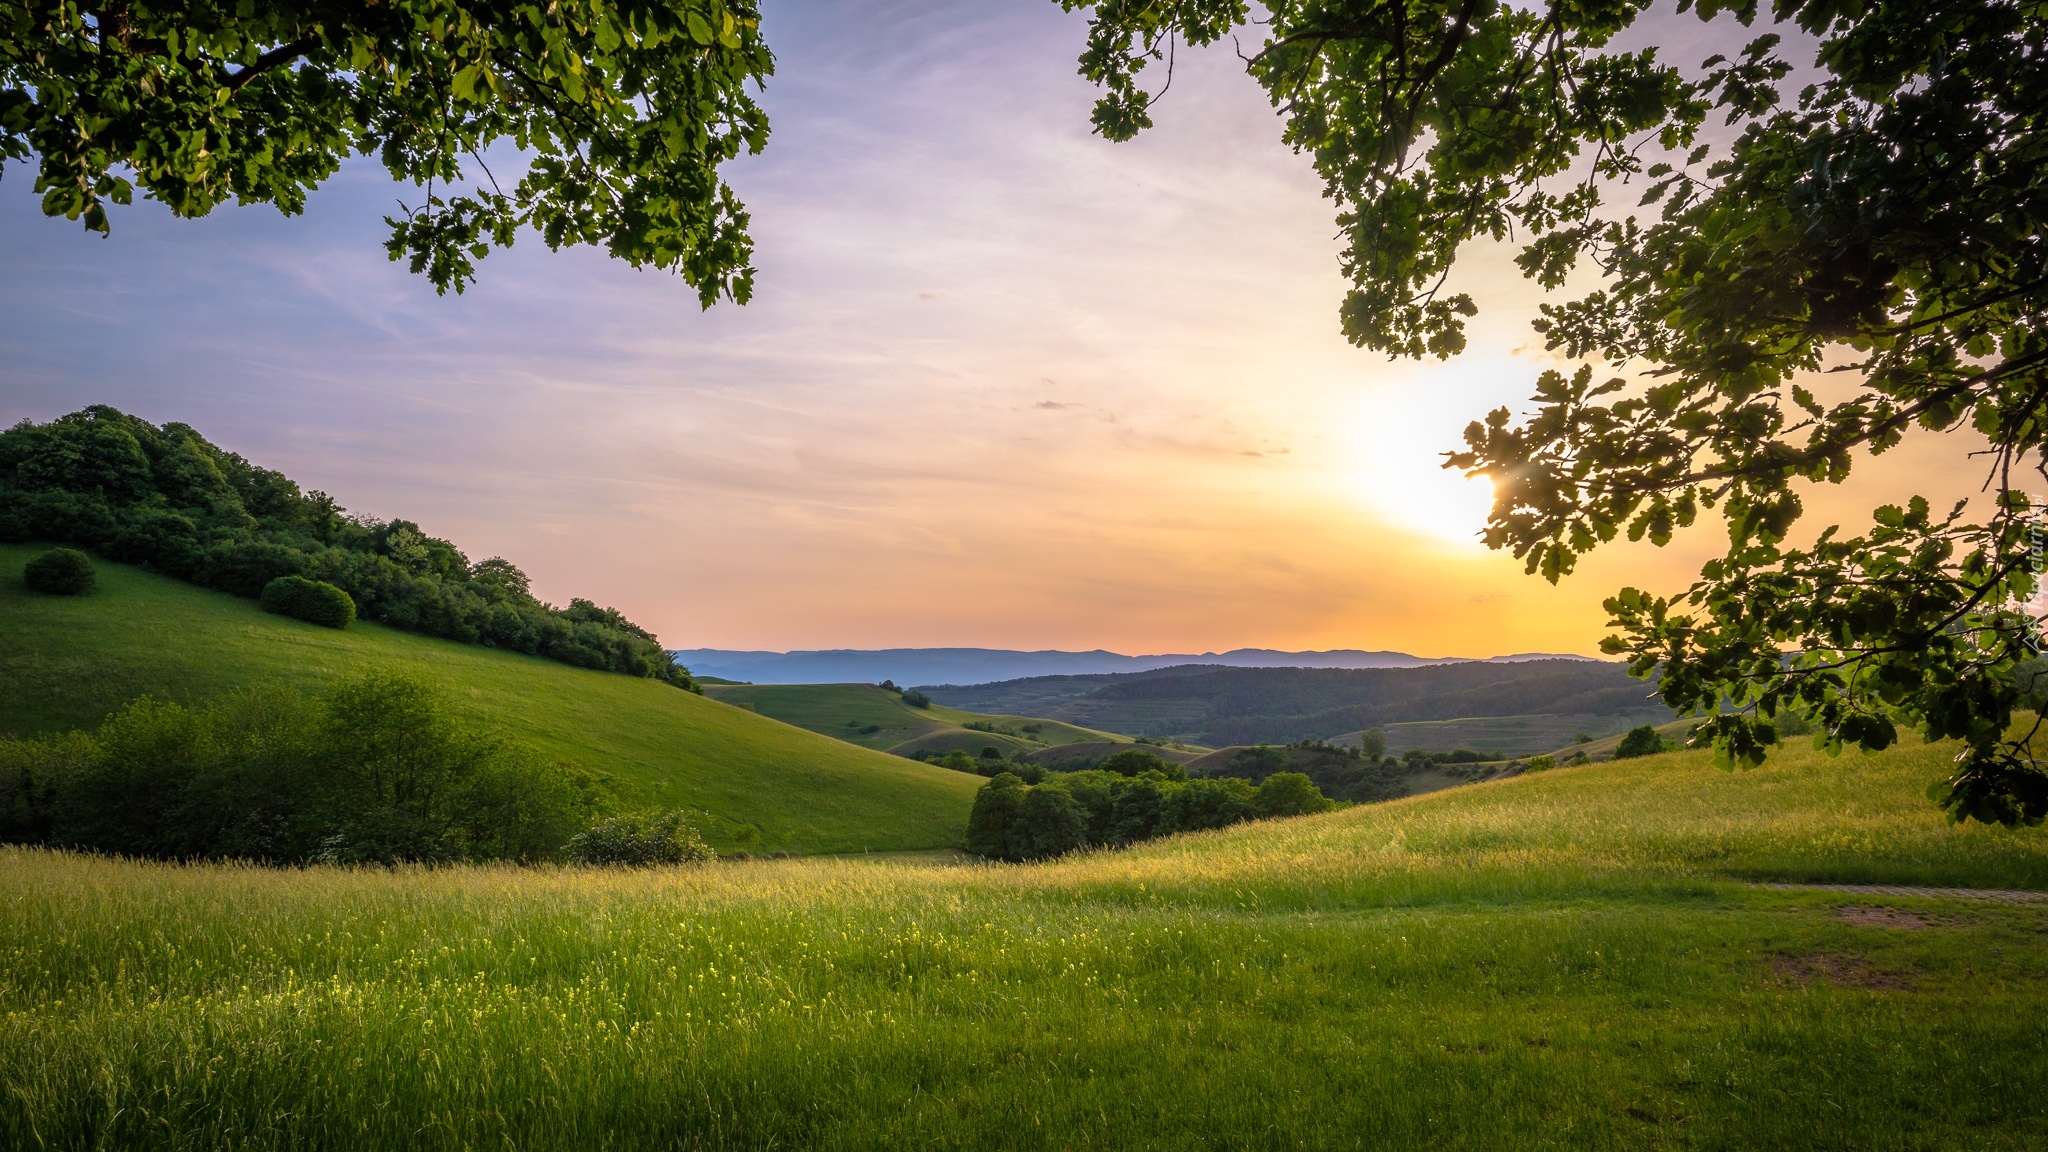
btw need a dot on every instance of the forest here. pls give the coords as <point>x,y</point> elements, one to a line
<point>166,499</point>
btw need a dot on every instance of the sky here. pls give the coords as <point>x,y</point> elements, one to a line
<point>1002,383</point>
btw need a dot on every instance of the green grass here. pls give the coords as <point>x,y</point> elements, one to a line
<point>876,718</point>
<point>765,786</point>
<point>1515,735</point>
<point>1565,960</point>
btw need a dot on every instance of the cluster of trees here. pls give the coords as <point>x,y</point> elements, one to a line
<point>377,769</point>
<point>167,499</point>
<point>1348,774</point>
<point>1016,821</point>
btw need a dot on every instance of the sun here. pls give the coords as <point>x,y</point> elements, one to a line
<point>1439,504</point>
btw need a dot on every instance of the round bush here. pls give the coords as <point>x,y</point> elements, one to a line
<point>1640,741</point>
<point>640,841</point>
<point>60,572</point>
<point>310,600</point>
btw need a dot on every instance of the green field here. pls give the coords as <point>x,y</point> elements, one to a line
<point>876,718</point>
<point>1571,959</point>
<point>764,786</point>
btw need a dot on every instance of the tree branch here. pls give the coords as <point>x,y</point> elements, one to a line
<point>282,54</point>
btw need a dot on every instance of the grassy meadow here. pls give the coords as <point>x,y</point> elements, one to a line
<point>1572,959</point>
<point>761,785</point>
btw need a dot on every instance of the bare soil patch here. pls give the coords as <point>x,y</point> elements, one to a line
<point>1883,917</point>
<point>1839,970</point>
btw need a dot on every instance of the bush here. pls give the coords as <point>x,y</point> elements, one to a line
<point>378,770</point>
<point>995,811</point>
<point>640,841</point>
<point>1137,762</point>
<point>1200,805</point>
<point>1049,824</point>
<point>60,572</point>
<point>310,600</point>
<point>1291,794</point>
<point>1641,740</point>
<point>1542,763</point>
<point>916,699</point>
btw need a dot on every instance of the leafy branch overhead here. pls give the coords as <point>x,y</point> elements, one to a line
<point>1791,279</point>
<point>620,112</point>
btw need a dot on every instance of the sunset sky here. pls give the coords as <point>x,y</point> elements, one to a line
<point>1002,384</point>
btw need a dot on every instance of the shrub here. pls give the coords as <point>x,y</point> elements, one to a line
<point>640,841</point>
<point>1641,740</point>
<point>377,770</point>
<point>1137,762</point>
<point>1291,794</point>
<point>310,600</point>
<point>1134,814</point>
<point>916,699</point>
<point>1049,824</point>
<point>995,811</point>
<point>1542,763</point>
<point>60,572</point>
<point>1199,805</point>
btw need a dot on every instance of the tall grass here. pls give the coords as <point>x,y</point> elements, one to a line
<point>1564,960</point>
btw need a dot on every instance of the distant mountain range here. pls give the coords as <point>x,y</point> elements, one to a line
<point>963,666</point>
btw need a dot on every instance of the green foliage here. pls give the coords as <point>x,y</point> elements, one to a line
<point>1875,216</point>
<point>640,840</point>
<point>916,699</point>
<point>1640,741</point>
<point>623,113</point>
<point>60,572</point>
<point>1372,743</point>
<point>375,770</point>
<point>1016,821</point>
<point>995,813</point>
<point>1290,794</point>
<point>1541,763</point>
<point>165,498</point>
<point>1138,761</point>
<point>309,600</point>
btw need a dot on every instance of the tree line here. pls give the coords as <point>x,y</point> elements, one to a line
<point>1098,808</point>
<point>166,499</point>
<point>375,770</point>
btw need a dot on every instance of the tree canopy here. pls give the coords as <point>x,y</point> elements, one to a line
<point>620,112</point>
<point>1804,277</point>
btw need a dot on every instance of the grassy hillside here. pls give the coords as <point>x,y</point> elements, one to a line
<point>1573,959</point>
<point>876,718</point>
<point>66,663</point>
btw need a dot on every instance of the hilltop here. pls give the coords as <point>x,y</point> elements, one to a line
<point>1535,705</point>
<point>763,786</point>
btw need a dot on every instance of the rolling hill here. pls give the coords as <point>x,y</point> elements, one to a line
<point>1538,703</point>
<point>764,786</point>
<point>877,718</point>
<point>1580,958</point>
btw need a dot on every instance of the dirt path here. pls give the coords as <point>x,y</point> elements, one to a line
<point>2008,895</point>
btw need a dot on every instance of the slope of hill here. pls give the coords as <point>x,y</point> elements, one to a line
<point>1572,959</point>
<point>766,786</point>
<point>1223,706</point>
<point>876,718</point>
